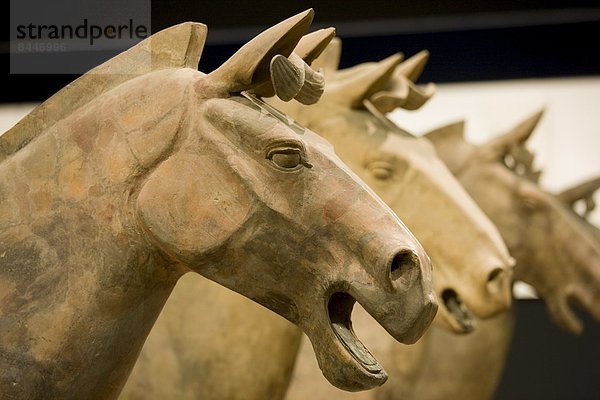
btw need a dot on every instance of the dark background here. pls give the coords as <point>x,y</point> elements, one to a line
<point>547,363</point>
<point>468,41</point>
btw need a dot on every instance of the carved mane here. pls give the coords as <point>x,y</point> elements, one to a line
<point>179,46</point>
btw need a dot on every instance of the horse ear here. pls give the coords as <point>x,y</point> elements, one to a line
<point>517,136</point>
<point>250,65</point>
<point>402,92</point>
<point>329,59</point>
<point>314,44</point>
<point>583,191</point>
<point>454,132</point>
<point>450,144</point>
<point>413,67</point>
<point>179,46</point>
<point>360,86</point>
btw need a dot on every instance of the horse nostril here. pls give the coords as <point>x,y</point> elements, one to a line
<point>495,280</point>
<point>405,266</point>
<point>495,274</point>
<point>404,260</point>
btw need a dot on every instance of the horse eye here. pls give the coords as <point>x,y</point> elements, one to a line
<point>381,170</point>
<point>288,158</point>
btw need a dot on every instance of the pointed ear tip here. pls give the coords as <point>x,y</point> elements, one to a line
<point>196,24</point>
<point>536,115</point>
<point>419,58</point>
<point>322,35</point>
<point>534,118</point>
<point>456,127</point>
<point>393,60</point>
<point>313,44</point>
<point>310,12</point>
<point>195,28</point>
<point>304,17</point>
<point>456,122</point>
<point>459,125</point>
<point>198,29</point>
<point>330,30</point>
<point>192,24</point>
<point>390,62</point>
<point>303,20</point>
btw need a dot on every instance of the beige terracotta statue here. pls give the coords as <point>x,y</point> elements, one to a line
<point>115,187</point>
<point>472,264</point>
<point>557,252</point>
<point>554,251</point>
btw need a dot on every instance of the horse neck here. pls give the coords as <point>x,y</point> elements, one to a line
<point>76,292</point>
<point>79,282</point>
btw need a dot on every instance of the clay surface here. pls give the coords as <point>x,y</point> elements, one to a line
<point>169,172</point>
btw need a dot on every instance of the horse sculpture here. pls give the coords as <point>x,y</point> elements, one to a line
<point>379,162</point>
<point>556,251</point>
<point>541,234</point>
<point>111,192</point>
<point>473,265</point>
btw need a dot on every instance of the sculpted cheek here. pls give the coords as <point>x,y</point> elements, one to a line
<point>340,202</point>
<point>192,204</point>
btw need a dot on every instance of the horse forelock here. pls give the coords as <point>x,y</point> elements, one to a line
<point>179,46</point>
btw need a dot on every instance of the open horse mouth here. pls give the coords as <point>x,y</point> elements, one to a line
<point>399,299</point>
<point>340,310</point>
<point>462,319</point>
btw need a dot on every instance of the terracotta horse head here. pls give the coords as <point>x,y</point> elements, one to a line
<point>473,268</point>
<point>457,233</point>
<point>129,178</point>
<point>555,251</point>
